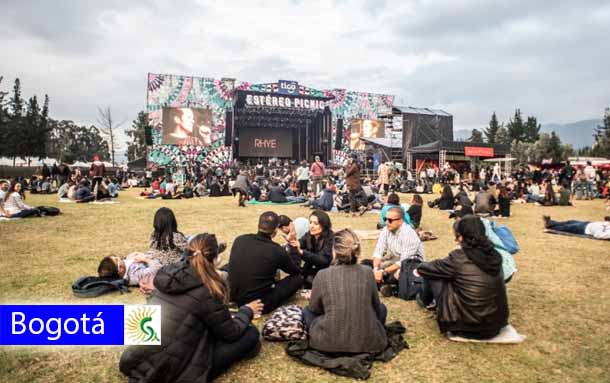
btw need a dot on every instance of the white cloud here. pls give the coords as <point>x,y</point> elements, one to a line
<point>469,58</point>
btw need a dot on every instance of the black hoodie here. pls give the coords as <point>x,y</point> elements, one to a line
<point>192,320</point>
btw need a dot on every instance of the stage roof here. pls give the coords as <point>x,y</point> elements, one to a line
<point>428,111</point>
<point>392,143</point>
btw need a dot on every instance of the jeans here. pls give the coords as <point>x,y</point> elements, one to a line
<point>228,353</point>
<point>303,187</point>
<point>295,199</point>
<point>572,226</point>
<point>430,290</point>
<point>26,213</point>
<point>283,290</point>
<point>309,316</point>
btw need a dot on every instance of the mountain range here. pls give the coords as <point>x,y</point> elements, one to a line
<point>579,134</point>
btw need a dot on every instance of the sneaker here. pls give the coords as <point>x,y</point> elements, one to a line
<point>386,291</point>
<point>431,306</point>
<point>546,220</point>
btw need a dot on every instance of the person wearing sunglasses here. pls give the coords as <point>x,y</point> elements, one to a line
<point>397,242</point>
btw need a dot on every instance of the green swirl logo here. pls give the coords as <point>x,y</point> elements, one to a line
<point>139,327</point>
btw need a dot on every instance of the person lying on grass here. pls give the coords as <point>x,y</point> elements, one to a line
<point>596,229</point>
<point>136,268</point>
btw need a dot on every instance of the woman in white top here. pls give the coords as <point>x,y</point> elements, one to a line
<point>303,178</point>
<point>14,207</point>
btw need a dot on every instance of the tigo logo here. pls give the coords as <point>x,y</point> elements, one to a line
<point>142,325</point>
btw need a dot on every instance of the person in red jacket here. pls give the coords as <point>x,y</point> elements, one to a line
<point>96,171</point>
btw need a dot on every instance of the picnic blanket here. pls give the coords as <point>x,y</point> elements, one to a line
<point>66,200</point>
<point>508,335</point>
<point>255,202</point>
<point>551,231</point>
<point>110,202</point>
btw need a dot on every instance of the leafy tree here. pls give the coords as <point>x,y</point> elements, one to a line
<point>548,146</point>
<point>136,148</point>
<point>69,142</point>
<point>492,130</point>
<point>522,152</point>
<point>476,136</point>
<point>14,132</point>
<point>515,127</point>
<point>531,130</point>
<point>601,147</point>
<point>4,119</point>
<point>502,136</point>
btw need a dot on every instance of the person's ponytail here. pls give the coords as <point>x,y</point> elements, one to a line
<point>202,253</point>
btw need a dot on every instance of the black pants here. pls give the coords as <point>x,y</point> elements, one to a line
<point>95,181</point>
<point>283,290</point>
<point>303,187</point>
<point>432,289</point>
<point>226,354</point>
<point>353,200</point>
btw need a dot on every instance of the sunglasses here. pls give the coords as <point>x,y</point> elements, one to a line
<point>390,220</point>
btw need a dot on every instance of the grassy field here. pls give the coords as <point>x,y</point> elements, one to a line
<point>559,298</point>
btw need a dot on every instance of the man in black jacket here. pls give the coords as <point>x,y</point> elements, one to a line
<point>253,265</point>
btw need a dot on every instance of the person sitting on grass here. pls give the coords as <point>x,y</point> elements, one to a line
<point>484,202</point>
<point>64,189</point>
<point>134,268</point>
<point>596,229</point>
<point>467,288</point>
<point>397,242</point>
<point>113,187</point>
<point>564,196</point>
<point>187,190</point>
<point>415,210</point>
<point>166,243</point>
<point>83,193</point>
<point>254,263</point>
<point>445,202</point>
<point>325,201</point>
<point>200,337</point>
<point>503,209</point>
<point>13,205</point>
<point>315,247</point>
<point>342,293</point>
<point>392,201</point>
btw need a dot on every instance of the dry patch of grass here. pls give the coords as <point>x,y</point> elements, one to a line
<point>560,297</point>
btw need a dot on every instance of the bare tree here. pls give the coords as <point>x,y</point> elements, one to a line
<point>109,129</point>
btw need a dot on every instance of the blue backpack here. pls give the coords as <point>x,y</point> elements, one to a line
<point>507,238</point>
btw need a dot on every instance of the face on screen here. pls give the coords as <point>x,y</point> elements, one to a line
<point>188,126</point>
<point>184,123</point>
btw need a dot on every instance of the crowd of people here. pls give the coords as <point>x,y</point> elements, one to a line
<point>208,308</point>
<point>203,336</point>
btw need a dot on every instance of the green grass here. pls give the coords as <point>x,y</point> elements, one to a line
<point>559,298</point>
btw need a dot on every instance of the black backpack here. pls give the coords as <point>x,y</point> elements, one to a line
<point>91,287</point>
<point>409,283</point>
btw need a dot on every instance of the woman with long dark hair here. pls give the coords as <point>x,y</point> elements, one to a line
<point>467,286</point>
<point>13,204</point>
<point>166,243</point>
<point>315,247</point>
<point>415,210</point>
<point>503,202</point>
<point>445,202</point>
<point>200,338</point>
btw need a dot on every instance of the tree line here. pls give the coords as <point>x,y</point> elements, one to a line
<point>528,145</point>
<point>26,130</point>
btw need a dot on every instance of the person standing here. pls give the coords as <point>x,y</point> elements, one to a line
<point>352,181</point>
<point>383,177</point>
<point>303,178</point>
<point>318,171</point>
<point>97,171</point>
